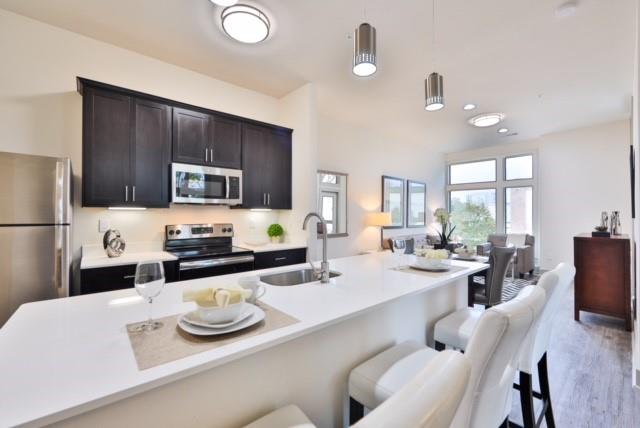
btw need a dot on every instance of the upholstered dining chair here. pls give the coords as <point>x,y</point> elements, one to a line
<point>490,293</point>
<point>493,351</point>
<point>493,240</point>
<point>457,328</point>
<point>430,400</point>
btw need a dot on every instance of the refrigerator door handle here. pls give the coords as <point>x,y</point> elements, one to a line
<point>62,260</point>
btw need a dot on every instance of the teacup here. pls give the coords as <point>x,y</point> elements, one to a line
<point>253,283</point>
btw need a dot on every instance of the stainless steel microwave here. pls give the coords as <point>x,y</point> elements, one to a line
<point>195,184</point>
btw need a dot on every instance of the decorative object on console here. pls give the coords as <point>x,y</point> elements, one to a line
<point>275,232</point>
<point>113,243</point>
<point>442,216</point>
<point>615,223</point>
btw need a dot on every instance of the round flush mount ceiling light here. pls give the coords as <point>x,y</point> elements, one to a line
<point>503,130</point>
<point>224,2</point>
<point>364,50</point>
<point>486,119</point>
<point>567,9</point>
<point>245,24</point>
<point>468,106</point>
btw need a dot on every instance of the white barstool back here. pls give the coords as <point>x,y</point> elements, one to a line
<point>493,351</point>
<point>429,400</point>
<point>555,284</point>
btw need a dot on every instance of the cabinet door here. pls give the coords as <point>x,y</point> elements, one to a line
<point>254,165</point>
<point>226,143</point>
<point>191,136</point>
<point>150,154</point>
<point>278,181</point>
<point>106,150</point>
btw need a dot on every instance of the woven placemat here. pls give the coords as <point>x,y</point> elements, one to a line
<point>170,342</point>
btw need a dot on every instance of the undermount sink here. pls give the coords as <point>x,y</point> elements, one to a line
<point>294,277</point>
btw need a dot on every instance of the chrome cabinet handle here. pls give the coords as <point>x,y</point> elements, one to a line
<point>134,193</point>
<point>279,259</point>
<point>206,154</point>
<point>211,156</point>
<point>128,277</point>
<point>126,193</point>
<point>269,199</point>
<point>264,199</point>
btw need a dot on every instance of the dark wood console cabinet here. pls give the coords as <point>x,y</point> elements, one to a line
<point>603,276</point>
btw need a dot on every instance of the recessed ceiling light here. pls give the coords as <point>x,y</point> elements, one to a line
<point>245,24</point>
<point>224,2</point>
<point>567,9</point>
<point>503,130</point>
<point>486,119</point>
<point>469,106</point>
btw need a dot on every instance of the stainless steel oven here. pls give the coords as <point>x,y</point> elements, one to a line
<point>195,184</point>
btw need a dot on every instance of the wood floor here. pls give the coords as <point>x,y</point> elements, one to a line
<point>590,373</point>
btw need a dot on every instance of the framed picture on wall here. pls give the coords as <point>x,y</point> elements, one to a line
<point>416,204</point>
<point>393,200</point>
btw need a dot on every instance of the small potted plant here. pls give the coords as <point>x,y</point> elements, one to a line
<point>275,232</point>
<point>442,216</point>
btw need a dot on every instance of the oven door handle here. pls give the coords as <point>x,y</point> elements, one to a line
<point>222,261</point>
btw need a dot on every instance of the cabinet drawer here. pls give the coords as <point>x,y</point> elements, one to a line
<point>97,280</point>
<point>272,259</point>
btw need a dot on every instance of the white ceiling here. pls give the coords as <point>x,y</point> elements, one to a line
<point>515,56</point>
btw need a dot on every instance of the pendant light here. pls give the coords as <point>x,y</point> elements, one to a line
<point>433,84</point>
<point>364,48</point>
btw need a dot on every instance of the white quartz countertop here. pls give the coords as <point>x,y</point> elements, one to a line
<point>94,256</point>
<point>59,358</point>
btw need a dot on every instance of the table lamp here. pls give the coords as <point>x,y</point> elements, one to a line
<point>380,220</point>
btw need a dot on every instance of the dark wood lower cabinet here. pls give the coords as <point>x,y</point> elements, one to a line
<point>603,276</point>
<point>271,259</point>
<point>97,280</point>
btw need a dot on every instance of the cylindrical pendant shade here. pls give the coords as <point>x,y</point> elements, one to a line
<point>434,92</point>
<point>364,50</point>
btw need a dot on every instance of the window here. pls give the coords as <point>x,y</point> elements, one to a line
<point>329,208</point>
<point>472,172</point>
<point>328,178</point>
<point>519,210</point>
<point>518,167</point>
<point>473,212</point>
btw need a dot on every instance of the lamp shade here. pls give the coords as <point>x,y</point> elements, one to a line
<point>379,219</point>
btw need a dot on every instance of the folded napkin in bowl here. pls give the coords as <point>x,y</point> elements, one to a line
<point>216,297</point>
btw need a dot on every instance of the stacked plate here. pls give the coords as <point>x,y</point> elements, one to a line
<point>192,323</point>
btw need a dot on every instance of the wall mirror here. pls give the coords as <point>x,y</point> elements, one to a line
<point>393,200</point>
<point>416,204</point>
<point>332,202</point>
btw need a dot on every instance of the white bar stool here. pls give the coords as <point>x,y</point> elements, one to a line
<point>493,351</point>
<point>455,330</point>
<point>430,400</point>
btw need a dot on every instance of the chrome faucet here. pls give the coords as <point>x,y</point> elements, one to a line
<point>324,266</point>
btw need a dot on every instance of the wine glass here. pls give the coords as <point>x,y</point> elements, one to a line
<point>399,246</point>
<point>149,281</point>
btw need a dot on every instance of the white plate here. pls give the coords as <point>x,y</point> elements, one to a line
<point>467,259</point>
<point>257,315</point>
<point>194,319</point>
<point>442,268</point>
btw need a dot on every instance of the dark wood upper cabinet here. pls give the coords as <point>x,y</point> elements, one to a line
<point>226,143</point>
<point>191,136</point>
<point>151,153</point>
<point>126,146</point>
<point>266,160</point>
<point>106,147</point>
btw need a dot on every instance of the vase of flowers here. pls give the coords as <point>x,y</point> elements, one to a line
<point>443,217</point>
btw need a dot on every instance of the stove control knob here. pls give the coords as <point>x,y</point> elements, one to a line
<point>171,232</point>
<point>178,232</point>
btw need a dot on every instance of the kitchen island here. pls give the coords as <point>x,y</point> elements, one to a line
<point>70,362</point>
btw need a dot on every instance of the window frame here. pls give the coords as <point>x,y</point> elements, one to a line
<point>495,171</point>
<point>494,188</point>
<point>504,167</point>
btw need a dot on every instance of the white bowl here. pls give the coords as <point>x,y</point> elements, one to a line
<point>425,263</point>
<point>218,315</point>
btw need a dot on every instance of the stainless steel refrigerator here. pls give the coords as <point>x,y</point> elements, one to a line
<point>35,230</point>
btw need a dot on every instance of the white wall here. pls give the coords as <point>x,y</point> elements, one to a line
<point>42,114</point>
<point>581,173</point>
<point>366,154</point>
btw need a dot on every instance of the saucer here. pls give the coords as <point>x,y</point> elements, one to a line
<point>257,315</point>
<point>441,268</point>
